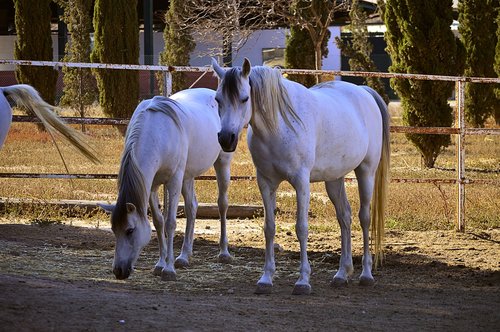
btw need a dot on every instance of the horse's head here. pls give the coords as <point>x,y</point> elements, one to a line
<point>234,99</point>
<point>132,232</point>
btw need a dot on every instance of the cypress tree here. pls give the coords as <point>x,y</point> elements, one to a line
<point>34,42</point>
<point>360,49</point>
<point>116,41</point>
<point>299,54</point>
<point>420,41</point>
<point>80,89</point>
<point>178,44</point>
<point>478,32</point>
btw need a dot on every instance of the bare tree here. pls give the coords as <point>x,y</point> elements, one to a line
<point>235,20</point>
<point>313,15</point>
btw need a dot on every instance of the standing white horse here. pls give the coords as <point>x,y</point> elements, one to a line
<point>304,135</point>
<point>169,141</point>
<point>27,97</point>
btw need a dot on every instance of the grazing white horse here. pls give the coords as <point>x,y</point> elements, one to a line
<point>305,135</point>
<point>27,97</point>
<point>169,141</point>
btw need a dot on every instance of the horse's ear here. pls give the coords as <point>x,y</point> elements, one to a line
<point>130,207</point>
<point>218,69</point>
<point>245,69</point>
<point>107,207</point>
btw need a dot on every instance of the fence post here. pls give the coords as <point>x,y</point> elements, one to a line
<point>167,83</point>
<point>460,123</point>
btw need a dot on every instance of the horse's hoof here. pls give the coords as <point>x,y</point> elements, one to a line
<point>168,275</point>
<point>339,282</point>
<point>301,289</point>
<point>225,259</point>
<point>157,270</point>
<point>181,263</point>
<point>366,281</point>
<point>264,289</point>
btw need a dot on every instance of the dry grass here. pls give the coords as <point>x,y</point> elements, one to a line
<point>410,206</point>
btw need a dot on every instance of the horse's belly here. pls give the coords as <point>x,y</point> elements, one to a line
<point>335,161</point>
<point>204,149</point>
<point>329,173</point>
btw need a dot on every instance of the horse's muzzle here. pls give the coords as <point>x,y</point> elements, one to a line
<point>122,272</point>
<point>228,140</point>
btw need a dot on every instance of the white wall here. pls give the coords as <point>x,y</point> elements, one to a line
<point>7,44</point>
<point>259,40</point>
<point>252,49</point>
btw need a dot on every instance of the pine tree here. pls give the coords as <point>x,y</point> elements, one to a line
<point>359,49</point>
<point>80,87</point>
<point>420,41</point>
<point>116,41</point>
<point>34,42</point>
<point>478,32</point>
<point>178,44</point>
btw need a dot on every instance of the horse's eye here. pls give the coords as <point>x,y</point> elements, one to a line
<point>244,100</point>
<point>129,231</point>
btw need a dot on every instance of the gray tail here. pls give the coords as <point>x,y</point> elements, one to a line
<point>381,183</point>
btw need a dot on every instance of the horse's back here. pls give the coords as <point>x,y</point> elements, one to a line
<point>352,119</point>
<point>202,126</point>
<point>342,128</point>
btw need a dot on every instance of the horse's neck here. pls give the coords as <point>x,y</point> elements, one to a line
<point>5,117</point>
<point>287,115</point>
<point>134,184</point>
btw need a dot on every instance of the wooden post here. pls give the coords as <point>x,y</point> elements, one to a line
<point>167,81</point>
<point>460,124</point>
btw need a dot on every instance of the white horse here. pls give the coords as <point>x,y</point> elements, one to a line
<point>27,97</point>
<point>304,135</point>
<point>169,141</point>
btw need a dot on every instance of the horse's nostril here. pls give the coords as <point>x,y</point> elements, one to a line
<point>219,135</point>
<point>233,136</point>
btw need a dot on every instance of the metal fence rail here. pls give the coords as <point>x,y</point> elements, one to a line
<point>460,130</point>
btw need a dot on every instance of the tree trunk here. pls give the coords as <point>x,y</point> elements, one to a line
<point>317,62</point>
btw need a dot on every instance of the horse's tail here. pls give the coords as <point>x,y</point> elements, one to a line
<point>27,97</point>
<point>381,183</point>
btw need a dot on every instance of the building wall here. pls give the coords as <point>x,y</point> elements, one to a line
<point>205,49</point>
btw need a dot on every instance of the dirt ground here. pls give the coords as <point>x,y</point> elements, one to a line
<point>56,277</point>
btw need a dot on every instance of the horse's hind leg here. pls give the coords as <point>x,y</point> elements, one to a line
<point>222,170</point>
<point>159,224</point>
<point>365,186</point>
<point>190,206</point>
<point>336,193</point>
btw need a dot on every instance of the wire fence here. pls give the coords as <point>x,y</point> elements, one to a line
<point>147,70</point>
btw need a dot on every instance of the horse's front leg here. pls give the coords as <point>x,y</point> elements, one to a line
<point>222,170</point>
<point>159,224</point>
<point>268,193</point>
<point>170,215</point>
<point>190,206</point>
<point>301,185</point>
